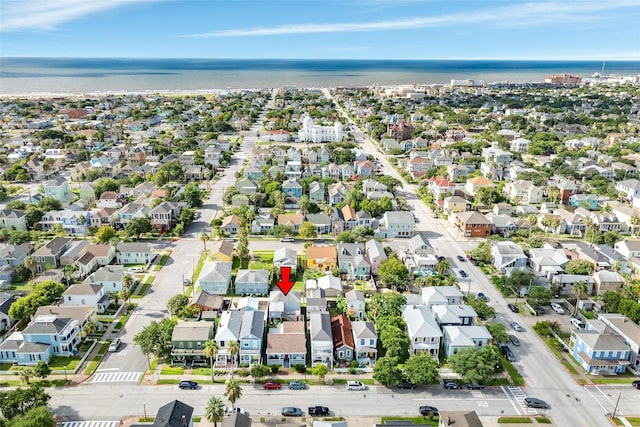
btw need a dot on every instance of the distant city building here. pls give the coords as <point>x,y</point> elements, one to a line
<point>563,79</point>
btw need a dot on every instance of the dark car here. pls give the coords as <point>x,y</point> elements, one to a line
<point>513,308</point>
<point>441,258</point>
<point>636,384</point>
<point>290,411</point>
<point>427,410</point>
<point>532,402</point>
<point>483,297</point>
<point>463,273</point>
<point>514,340</point>
<point>406,384</point>
<point>318,411</point>
<point>191,385</point>
<point>270,385</point>
<point>474,386</point>
<point>508,353</point>
<point>451,385</point>
<point>461,258</point>
<point>540,309</point>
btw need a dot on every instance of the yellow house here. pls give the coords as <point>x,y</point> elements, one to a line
<point>323,258</point>
<point>474,184</point>
<point>455,204</point>
<point>221,251</point>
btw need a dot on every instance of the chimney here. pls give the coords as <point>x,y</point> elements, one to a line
<point>184,420</point>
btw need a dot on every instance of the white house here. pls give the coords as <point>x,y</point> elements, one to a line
<point>424,332</point>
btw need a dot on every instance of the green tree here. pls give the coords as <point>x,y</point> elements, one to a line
<point>68,271</point>
<point>386,371</point>
<point>320,370</point>
<point>39,416</point>
<point>488,196</point>
<point>260,372</point>
<point>385,305</point>
<point>105,233</point>
<point>211,351</point>
<point>242,249</point>
<point>477,366</point>
<point>517,280</point>
<point>579,267</point>
<point>204,237</point>
<point>233,392</point>
<point>482,254</point>
<point>138,226</point>
<point>421,369</point>
<point>308,230</point>
<point>580,289</point>
<point>192,195</point>
<point>341,304</point>
<point>442,268</point>
<point>497,331</point>
<point>484,310</point>
<point>19,401</point>
<point>393,274</point>
<point>214,411</point>
<point>539,295</point>
<point>42,370</point>
<point>233,348</point>
<point>177,303</point>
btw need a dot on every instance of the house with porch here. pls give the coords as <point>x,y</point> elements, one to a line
<point>321,339</point>
<point>352,262</point>
<point>472,224</point>
<point>215,277</point>
<point>322,258</point>
<point>508,255</point>
<point>424,333</point>
<point>228,331</point>
<point>457,338</point>
<point>375,254</point>
<point>134,253</point>
<point>188,340</point>
<point>629,332</point>
<point>252,282</point>
<point>110,277</point>
<point>356,303</point>
<point>365,339</point>
<point>87,294</point>
<point>287,345</point>
<point>251,336</point>
<point>342,339</point>
<point>285,307</point>
<point>598,350</point>
<point>285,257</point>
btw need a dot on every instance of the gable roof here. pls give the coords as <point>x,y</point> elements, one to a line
<point>173,414</point>
<point>341,331</point>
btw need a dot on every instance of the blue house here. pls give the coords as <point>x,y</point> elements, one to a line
<point>588,201</point>
<point>599,350</point>
<point>44,337</point>
<point>215,277</point>
<point>508,255</point>
<point>252,282</point>
<point>292,188</point>
<point>251,336</point>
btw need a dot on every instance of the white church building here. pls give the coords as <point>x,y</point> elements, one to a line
<point>312,132</point>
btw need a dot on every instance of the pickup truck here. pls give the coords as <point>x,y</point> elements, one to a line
<point>318,411</point>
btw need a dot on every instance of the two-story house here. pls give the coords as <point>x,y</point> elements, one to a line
<point>111,277</point>
<point>457,338</point>
<point>251,335</point>
<point>508,255</point>
<point>375,254</point>
<point>215,277</point>
<point>50,253</point>
<point>343,345</point>
<point>355,303</point>
<point>134,253</point>
<point>365,340</point>
<point>228,331</point>
<point>11,219</point>
<point>396,224</point>
<point>188,341</point>
<point>424,333</point>
<point>287,345</point>
<point>321,339</point>
<point>352,262</point>
<point>252,282</point>
<point>87,294</point>
<point>599,350</point>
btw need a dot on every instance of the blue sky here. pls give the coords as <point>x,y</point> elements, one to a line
<point>300,29</point>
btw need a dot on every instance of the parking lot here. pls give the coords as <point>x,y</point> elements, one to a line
<point>622,398</point>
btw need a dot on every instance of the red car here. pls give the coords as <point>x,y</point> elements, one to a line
<point>269,385</point>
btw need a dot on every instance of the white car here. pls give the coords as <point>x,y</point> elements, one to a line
<point>355,385</point>
<point>115,344</point>
<point>557,308</point>
<point>577,323</point>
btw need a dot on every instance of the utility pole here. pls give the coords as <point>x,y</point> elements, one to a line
<point>616,407</point>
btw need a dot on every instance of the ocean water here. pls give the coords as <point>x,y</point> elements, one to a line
<point>30,76</point>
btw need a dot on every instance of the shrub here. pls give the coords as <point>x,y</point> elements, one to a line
<point>301,369</point>
<point>244,372</point>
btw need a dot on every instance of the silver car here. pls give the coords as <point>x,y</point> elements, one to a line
<point>516,326</point>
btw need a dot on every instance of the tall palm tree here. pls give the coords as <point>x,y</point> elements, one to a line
<point>214,411</point>
<point>31,264</point>
<point>233,348</point>
<point>211,350</point>
<point>83,221</point>
<point>580,289</point>
<point>127,281</point>
<point>635,222</point>
<point>532,220</point>
<point>443,267</point>
<point>204,237</point>
<point>124,295</point>
<point>233,392</point>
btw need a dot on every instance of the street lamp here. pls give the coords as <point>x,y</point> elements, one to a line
<point>65,375</point>
<point>144,408</point>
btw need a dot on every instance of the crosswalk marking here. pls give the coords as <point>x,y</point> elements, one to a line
<point>91,424</point>
<point>116,377</point>
<point>519,396</point>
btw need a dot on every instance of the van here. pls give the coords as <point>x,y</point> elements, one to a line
<point>355,385</point>
<point>577,323</point>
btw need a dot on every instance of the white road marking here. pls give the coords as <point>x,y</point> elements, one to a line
<point>117,377</point>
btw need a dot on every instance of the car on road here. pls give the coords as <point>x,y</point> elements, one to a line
<point>287,239</point>
<point>115,344</point>
<point>514,340</point>
<point>532,402</point>
<point>463,273</point>
<point>483,297</point>
<point>270,385</point>
<point>188,385</point>
<point>297,385</point>
<point>557,308</point>
<point>427,410</point>
<point>355,385</point>
<point>451,385</point>
<point>516,326</point>
<point>406,384</point>
<point>513,308</point>
<point>508,353</point>
<point>474,386</point>
<point>228,411</point>
<point>461,258</point>
<point>318,411</point>
<point>290,411</point>
<point>636,384</point>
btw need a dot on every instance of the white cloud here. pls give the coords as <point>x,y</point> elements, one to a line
<point>45,15</point>
<point>531,13</point>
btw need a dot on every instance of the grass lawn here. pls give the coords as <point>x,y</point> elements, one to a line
<point>92,365</point>
<point>260,265</point>
<point>60,363</point>
<point>614,380</point>
<point>201,371</point>
<point>513,372</point>
<point>299,286</point>
<point>514,420</point>
<point>634,421</point>
<point>5,366</point>
<point>367,381</point>
<point>543,420</point>
<point>413,420</point>
<point>21,286</point>
<point>172,371</point>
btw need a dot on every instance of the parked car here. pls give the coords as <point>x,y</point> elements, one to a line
<point>406,384</point>
<point>516,326</point>
<point>539,309</point>
<point>577,323</point>
<point>557,308</point>
<point>228,411</point>
<point>297,385</point>
<point>270,385</point>
<point>514,340</point>
<point>532,402</point>
<point>318,411</point>
<point>115,344</point>
<point>287,239</point>
<point>483,297</point>
<point>463,274</point>
<point>461,258</point>
<point>355,385</point>
<point>513,308</point>
<point>474,386</point>
<point>451,385</point>
<point>508,353</point>
<point>186,384</point>
<point>290,411</point>
<point>636,384</point>
<point>427,410</point>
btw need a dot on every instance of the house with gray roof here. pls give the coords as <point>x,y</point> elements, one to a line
<point>11,219</point>
<point>458,338</point>
<point>49,254</point>
<point>396,224</point>
<point>352,262</point>
<point>321,339</point>
<point>365,339</point>
<point>356,303</point>
<point>508,255</point>
<point>228,330</point>
<point>87,294</point>
<point>134,253</point>
<point>424,333</point>
<point>375,254</point>
<point>188,341</point>
<point>285,257</point>
<point>110,277</point>
<point>252,282</point>
<point>285,307</point>
<point>215,277</point>
<point>599,350</point>
<point>173,414</point>
<point>251,336</point>
<point>6,321</point>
